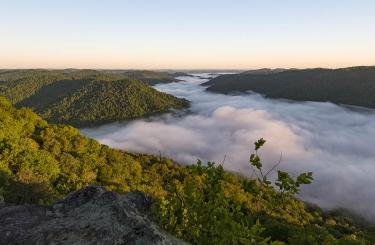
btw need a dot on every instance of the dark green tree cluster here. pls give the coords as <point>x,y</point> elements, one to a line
<point>84,97</point>
<point>350,86</point>
<point>202,204</point>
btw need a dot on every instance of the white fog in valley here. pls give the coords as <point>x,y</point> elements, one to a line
<point>336,143</point>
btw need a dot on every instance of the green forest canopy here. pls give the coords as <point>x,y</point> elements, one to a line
<point>151,77</point>
<point>350,86</point>
<point>84,97</point>
<point>202,204</point>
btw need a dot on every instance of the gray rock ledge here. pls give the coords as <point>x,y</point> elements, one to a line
<point>89,216</point>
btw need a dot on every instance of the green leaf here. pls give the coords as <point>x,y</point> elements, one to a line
<point>259,143</point>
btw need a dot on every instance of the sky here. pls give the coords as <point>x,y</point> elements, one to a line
<point>193,34</point>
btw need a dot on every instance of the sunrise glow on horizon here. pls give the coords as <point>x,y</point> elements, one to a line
<point>169,34</point>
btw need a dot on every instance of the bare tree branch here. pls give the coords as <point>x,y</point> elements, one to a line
<point>277,164</point>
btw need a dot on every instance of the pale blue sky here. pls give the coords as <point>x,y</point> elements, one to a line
<point>186,34</point>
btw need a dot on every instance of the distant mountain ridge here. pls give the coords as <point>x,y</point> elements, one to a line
<point>265,71</point>
<point>351,86</point>
<point>147,76</point>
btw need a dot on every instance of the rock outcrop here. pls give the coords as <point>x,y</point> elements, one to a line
<point>89,216</point>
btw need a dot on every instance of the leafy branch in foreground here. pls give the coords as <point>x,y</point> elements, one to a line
<point>208,205</point>
<point>286,183</point>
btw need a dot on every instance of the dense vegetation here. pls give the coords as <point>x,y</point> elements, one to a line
<point>149,77</point>
<point>202,204</point>
<point>84,97</point>
<point>351,86</point>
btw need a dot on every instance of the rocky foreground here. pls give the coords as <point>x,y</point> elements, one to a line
<point>89,216</point>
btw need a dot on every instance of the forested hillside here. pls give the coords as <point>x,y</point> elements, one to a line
<point>84,97</point>
<point>351,86</point>
<point>202,204</point>
<point>151,77</point>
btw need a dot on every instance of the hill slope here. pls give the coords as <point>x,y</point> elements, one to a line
<point>351,86</point>
<point>85,98</point>
<point>41,163</point>
<point>151,77</point>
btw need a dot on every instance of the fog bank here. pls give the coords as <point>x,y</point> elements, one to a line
<point>334,142</point>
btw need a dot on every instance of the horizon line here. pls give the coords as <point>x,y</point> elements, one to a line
<point>184,69</point>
